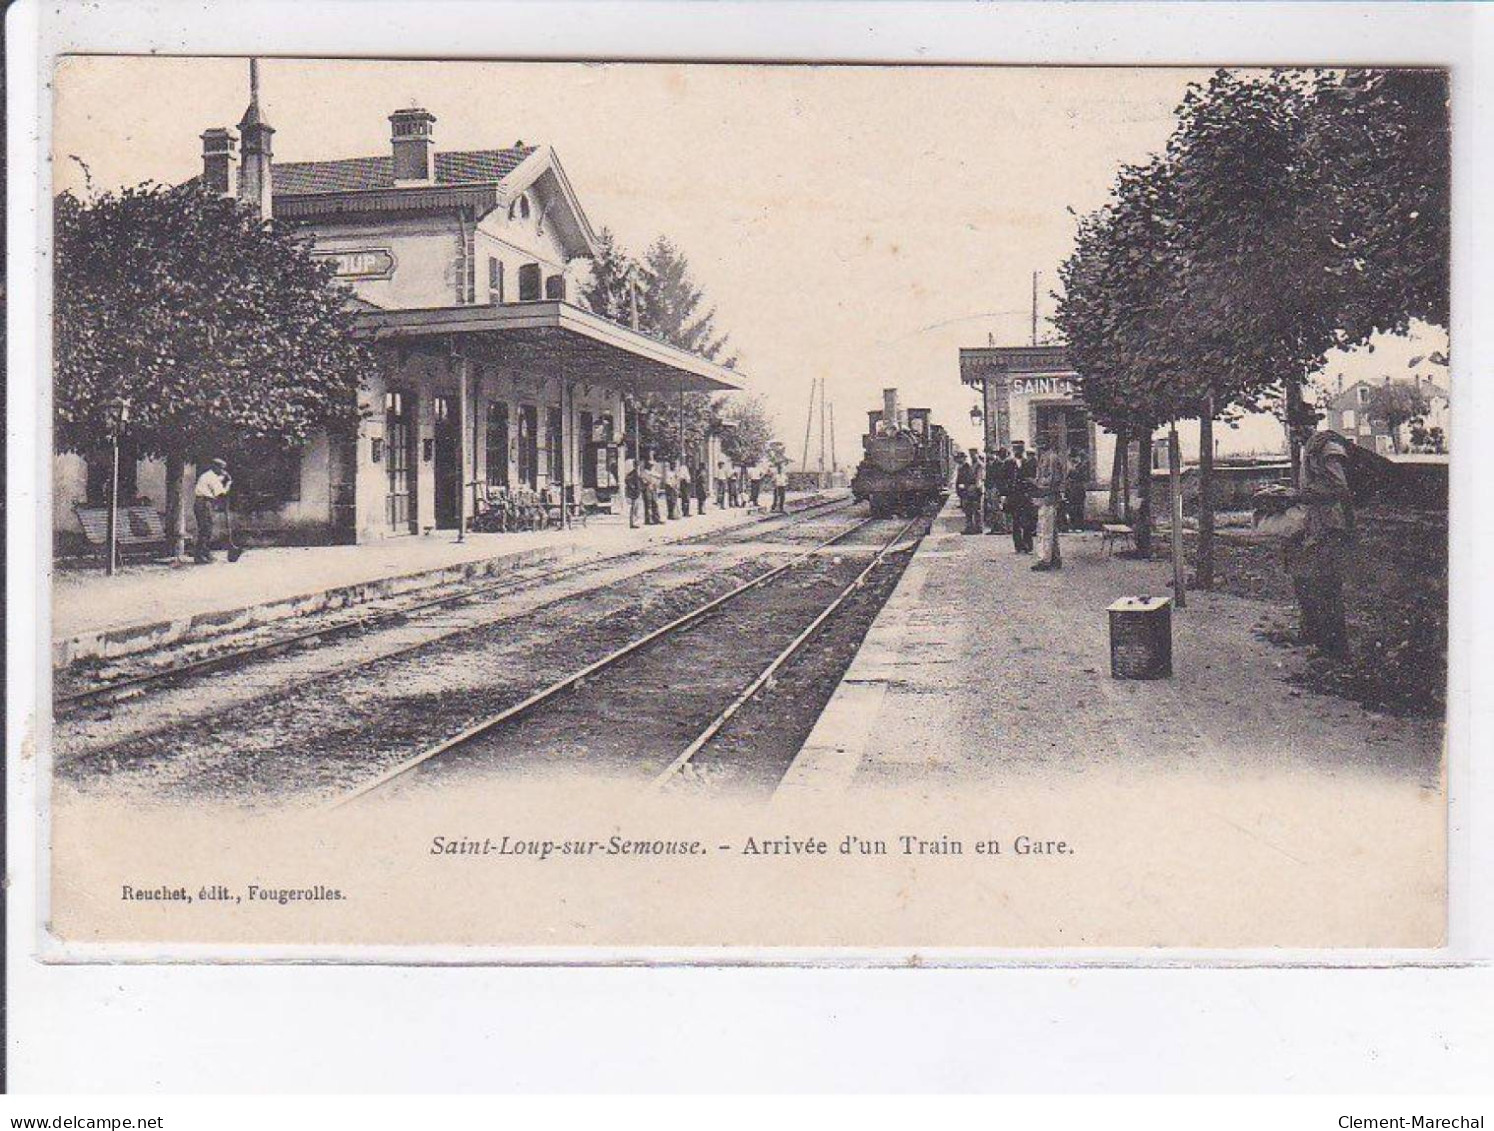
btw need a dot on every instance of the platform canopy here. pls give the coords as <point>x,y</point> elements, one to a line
<point>557,339</point>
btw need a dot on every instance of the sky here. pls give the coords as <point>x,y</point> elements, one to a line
<point>852,224</point>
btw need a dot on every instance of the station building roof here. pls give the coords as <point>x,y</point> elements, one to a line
<point>360,174</point>
<point>559,339</point>
<point>1018,361</point>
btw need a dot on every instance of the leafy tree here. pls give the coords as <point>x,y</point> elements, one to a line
<point>750,434</point>
<point>1290,213</point>
<point>1424,439</point>
<point>1254,315</point>
<point>221,331</point>
<point>1377,142</point>
<point>669,307</point>
<point>1119,296</point>
<point>1397,403</point>
<point>607,291</point>
<point>670,304</point>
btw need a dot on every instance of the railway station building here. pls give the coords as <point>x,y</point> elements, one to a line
<point>1028,391</point>
<point>490,375</point>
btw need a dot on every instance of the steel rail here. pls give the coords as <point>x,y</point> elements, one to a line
<point>783,657</point>
<point>545,694</point>
<point>129,686</point>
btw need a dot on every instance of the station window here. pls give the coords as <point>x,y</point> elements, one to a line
<point>266,478</point>
<point>496,448</point>
<point>495,280</point>
<point>555,287</point>
<point>529,282</point>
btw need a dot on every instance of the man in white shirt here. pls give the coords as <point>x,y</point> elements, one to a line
<point>212,485</point>
<point>780,488</point>
<point>686,488</point>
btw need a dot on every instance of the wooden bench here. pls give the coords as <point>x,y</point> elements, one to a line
<point>556,513</point>
<point>140,530</point>
<point>1116,532</point>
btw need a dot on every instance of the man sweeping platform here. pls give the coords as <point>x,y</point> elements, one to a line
<point>212,485</point>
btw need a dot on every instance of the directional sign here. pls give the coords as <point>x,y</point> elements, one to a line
<point>361,263</point>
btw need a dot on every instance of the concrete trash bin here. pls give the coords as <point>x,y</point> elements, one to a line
<point>1141,638</point>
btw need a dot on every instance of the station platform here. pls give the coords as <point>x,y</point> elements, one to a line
<point>979,670</point>
<point>149,606</point>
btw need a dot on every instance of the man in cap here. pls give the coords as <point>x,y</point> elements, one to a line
<point>212,485</point>
<point>1317,554</point>
<point>1048,489</point>
<point>968,492</point>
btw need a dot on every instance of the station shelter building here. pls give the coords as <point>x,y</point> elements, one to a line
<point>489,375</point>
<point>1029,393</point>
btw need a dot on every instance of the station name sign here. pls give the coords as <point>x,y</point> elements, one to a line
<point>362,263</point>
<point>1046,387</point>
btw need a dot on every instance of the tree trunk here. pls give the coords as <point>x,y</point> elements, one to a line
<point>1205,568</point>
<point>176,511</point>
<point>1118,477</point>
<point>1175,498</point>
<point>1143,522</point>
<point>1294,449</point>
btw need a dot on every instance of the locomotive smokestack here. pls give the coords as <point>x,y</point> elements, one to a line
<point>891,415</point>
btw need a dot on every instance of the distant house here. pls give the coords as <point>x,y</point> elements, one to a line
<point>1348,411</point>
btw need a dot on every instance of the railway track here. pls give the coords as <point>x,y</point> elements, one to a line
<point>140,682</point>
<point>469,742</point>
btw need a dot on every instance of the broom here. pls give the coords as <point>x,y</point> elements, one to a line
<point>235,552</point>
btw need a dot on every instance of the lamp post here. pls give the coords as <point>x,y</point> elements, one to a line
<point>119,410</point>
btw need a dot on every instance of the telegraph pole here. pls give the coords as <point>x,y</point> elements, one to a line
<point>822,432</point>
<point>808,422</point>
<point>832,438</point>
<point>1034,307</point>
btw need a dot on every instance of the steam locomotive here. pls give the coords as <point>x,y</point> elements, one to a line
<point>908,461</point>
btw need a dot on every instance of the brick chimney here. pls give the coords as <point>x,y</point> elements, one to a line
<point>255,134</point>
<point>412,137</point>
<point>220,161</point>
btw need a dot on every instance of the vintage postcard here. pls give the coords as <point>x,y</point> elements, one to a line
<point>584,508</point>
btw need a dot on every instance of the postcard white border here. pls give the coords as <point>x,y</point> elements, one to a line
<point>1020,33</point>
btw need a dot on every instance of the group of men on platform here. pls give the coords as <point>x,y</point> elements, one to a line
<point>676,484</point>
<point>1031,496</point>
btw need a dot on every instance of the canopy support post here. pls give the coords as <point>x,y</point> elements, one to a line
<point>463,410</point>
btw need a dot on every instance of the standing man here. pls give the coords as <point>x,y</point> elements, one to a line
<point>686,488</point>
<point>1317,555</point>
<point>633,488</point>
<point>1075,488</point>
<point>967,492</point>
<point>721,477</point>
<point>978,486</point>
<point>1048,488</point>
<point>671,491</point>
<point>1018,505</point>
<point>651,480</point>
<point>998,483</point>
<point>734,486</point>
<point>700,488</point>
<point>755,483</point>
<point>780,488</point>
<point>212,485</point>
